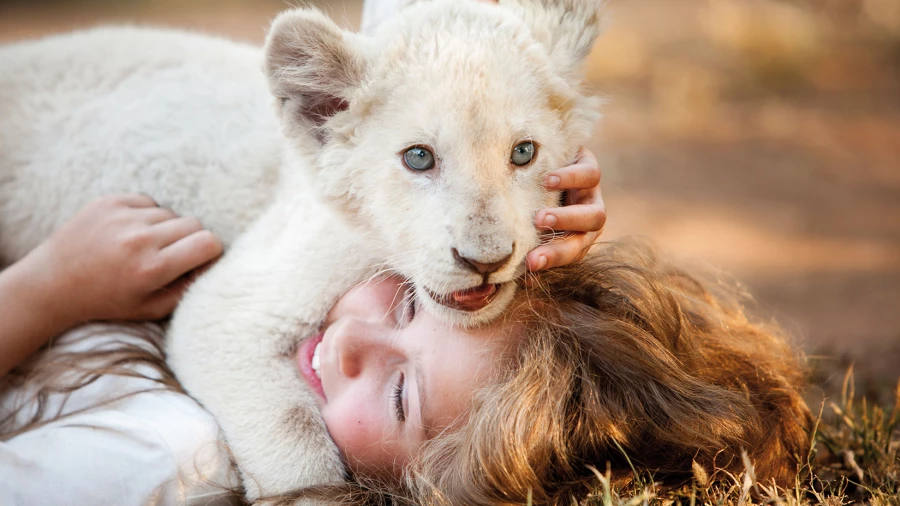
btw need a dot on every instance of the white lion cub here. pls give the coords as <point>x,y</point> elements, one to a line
<point>421,149</point>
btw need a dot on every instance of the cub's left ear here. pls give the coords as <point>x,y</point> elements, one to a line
<point>313,66</point>
<point>568,28</point>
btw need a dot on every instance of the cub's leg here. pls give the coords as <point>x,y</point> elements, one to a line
<point>233,341</point>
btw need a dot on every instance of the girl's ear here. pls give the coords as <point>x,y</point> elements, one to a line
<point>313,66</point>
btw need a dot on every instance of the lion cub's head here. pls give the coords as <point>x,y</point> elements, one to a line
<point>437,132</point>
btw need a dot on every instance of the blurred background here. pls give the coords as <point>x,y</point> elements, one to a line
<point>759,136</point>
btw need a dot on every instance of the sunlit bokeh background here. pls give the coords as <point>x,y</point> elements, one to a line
<point>760,136</point>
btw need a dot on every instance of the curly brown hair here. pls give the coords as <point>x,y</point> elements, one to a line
<point>626,360</point>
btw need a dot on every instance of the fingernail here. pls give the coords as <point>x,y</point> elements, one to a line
<point>541,263</point>
<point>550,220</point>
<point>552,181</point>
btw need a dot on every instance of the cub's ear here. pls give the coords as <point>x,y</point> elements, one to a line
<point>568,28</point>
<point>313,67</point>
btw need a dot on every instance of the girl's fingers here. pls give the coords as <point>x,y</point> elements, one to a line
<point>187,254</point>
<point>584,213</point>
<point>563,251</point>
<point>159,305</point>
<point>580,176</point>
<point>170,231</point>
<point>154,215</point>
<point>585,196</point>
<point>583,174</point>
<point>163,301</point>
<point>579,218</point>
<point>586,156</point>
<point>135,200</point>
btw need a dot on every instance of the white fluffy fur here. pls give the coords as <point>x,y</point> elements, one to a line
<point>187,120</point>
<point>181,117</point>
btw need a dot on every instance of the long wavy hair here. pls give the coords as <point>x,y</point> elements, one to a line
<point>50,376</point>
<point>627,360</point>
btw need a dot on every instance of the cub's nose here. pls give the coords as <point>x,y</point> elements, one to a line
<point>482,267</point>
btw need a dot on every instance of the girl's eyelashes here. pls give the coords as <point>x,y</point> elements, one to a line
<point>398,398</point>
<point>405,309</point>
<point>410,309</point>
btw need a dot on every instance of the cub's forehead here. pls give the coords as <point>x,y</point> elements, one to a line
<point>447,39</point>
<point>475,63</point>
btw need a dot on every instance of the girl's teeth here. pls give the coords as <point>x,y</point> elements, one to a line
<point>315,362</point>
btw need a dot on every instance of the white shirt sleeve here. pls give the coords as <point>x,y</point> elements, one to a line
<point>136,448</point>
<point>376,11</point>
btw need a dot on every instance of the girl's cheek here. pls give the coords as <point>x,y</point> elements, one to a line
<point>350,430</point>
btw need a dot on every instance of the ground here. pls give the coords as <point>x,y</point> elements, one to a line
<point>759,136</point>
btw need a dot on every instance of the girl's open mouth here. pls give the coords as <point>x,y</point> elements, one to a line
<point>305,354</point>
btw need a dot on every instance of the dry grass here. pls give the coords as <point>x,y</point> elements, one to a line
<point>854,459</point>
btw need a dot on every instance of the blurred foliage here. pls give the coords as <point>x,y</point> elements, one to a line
<point>763,45</point>
<point>784,70</point>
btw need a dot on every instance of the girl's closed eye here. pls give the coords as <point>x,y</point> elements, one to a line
<point>398,398</point>
<point>409,311</point>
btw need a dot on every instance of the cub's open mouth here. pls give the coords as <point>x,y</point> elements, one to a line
<point>471,299</point>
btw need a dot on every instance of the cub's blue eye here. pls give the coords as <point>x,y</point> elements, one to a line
<point>523,154</point>
<point>419,159</point>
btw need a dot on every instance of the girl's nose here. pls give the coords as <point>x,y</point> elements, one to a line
<point>360,345</point>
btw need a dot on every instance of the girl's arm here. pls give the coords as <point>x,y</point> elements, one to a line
<point>27,322</point>
<point>119,258</point>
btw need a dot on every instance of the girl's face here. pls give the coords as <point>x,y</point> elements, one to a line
<point>388,377</point>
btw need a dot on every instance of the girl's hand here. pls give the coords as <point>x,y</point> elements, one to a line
<point>583,215</point>
<point>120,258</point>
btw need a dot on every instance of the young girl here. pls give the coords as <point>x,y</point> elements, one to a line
<point>620,360</point>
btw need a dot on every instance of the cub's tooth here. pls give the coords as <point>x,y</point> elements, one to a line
<point>315,358</point>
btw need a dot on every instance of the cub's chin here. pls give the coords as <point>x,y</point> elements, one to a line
<point>468,308</point>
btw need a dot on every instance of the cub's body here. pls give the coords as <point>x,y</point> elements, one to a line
<point>320,188</point>
<point>187,119</point>
<point>184,118</point>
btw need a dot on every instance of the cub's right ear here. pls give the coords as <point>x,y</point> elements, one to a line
<point>313,66</point>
